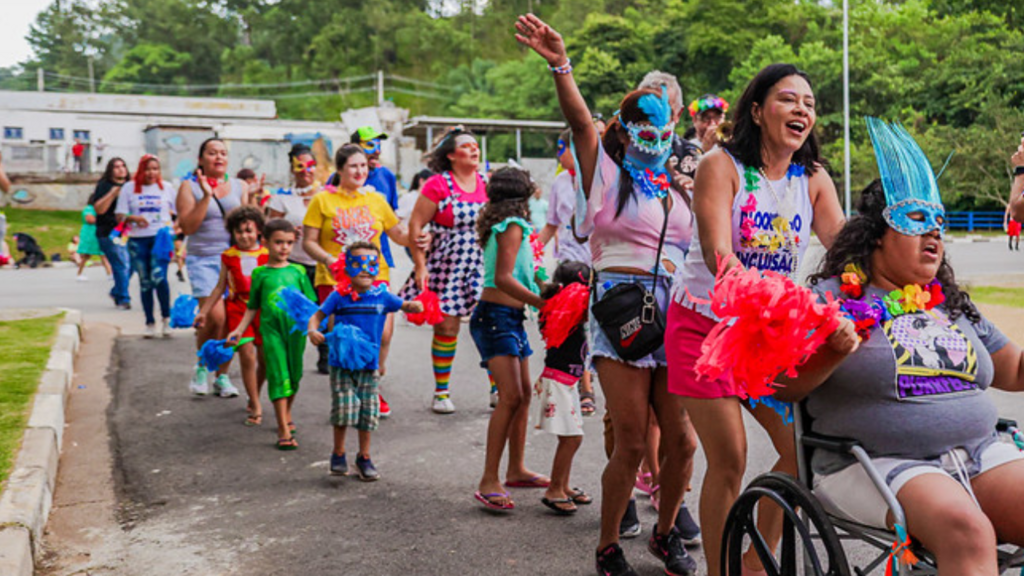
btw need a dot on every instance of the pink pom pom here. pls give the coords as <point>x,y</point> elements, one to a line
<point>563,313</point>
<point>431,310</point>
<point>770,326</point>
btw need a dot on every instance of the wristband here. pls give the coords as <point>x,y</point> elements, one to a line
<point>563,69</point>
<point>1019,170</point>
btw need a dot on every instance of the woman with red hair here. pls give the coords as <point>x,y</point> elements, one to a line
<point>146,204</point>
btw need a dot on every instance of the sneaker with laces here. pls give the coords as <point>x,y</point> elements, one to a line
<point>199,385</point>
<point>443,405</point>
<point>612,562</point>
<point>669,549</point>
<point>224,388</point>
<point>339,465</point>
<point>149,332</point>
<point>689,531</point>
<point>367,471</point>
<point>385,408</point>
<point>165,328</point>
<point>629,526</point>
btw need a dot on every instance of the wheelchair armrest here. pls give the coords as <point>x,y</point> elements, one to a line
<point>1004,425</point>
<point>830,443</point>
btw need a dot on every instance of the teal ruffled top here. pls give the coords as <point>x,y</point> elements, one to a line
<point>523,271</point>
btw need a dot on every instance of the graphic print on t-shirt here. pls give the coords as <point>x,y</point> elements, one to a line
<point>933,356</point>
<point>150,206</point>
<point>353,224</point>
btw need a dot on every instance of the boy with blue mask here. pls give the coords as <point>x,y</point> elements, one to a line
<point>354,386</point>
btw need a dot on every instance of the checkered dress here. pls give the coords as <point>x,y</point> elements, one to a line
<point>455,264</point>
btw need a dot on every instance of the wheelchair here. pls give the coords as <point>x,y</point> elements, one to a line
<point>812,539</point>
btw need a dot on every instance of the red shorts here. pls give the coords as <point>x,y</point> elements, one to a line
<point>685,332</point>
<point>1013,228</point>
<point>235,311</point>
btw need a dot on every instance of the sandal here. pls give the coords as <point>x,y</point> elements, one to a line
<point>643,482</point>
<point>587,403</point>
<point>655,500</point>
<point>556,504</point>
<point>488,501</point>
<point>578,496</point>
<point>291,427</point>
<point>535,482</point>
<point>254,420</point>
<point>287,444</point>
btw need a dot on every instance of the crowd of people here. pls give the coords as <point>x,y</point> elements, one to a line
<point>646,220</point>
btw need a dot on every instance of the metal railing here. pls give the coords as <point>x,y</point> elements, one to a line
<point>972,221</point>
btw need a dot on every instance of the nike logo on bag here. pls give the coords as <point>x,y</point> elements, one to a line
<point>627,342</point>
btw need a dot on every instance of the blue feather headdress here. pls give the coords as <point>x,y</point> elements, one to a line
<point>913,203</point>
<point>655,138</point>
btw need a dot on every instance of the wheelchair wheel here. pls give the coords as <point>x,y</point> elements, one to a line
<point>789,495</point>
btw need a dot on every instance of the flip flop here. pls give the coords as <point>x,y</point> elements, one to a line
<point>553,503</point>
<point>254,420</point>
<point>578,496</point>
<point>287,444</point>
<point>535,482</point>
<point>485,499</point>
<point>587,404</point>
<point>291,427</point>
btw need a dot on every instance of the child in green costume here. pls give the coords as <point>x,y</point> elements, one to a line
<point>283,347</point>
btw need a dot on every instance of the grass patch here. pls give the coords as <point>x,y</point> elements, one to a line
<point>53,229</point>
<point>998,295</point>
<point>24,349</point>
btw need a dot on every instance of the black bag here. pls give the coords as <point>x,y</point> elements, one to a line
<point>629,314</point>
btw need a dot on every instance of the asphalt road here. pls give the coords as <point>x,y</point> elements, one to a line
<point>199,493</point>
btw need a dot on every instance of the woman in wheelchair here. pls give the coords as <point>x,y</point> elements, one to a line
<point>912,393</point>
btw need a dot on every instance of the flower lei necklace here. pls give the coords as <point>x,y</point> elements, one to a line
<point>868,313</point>
<point>781,235</point>
<point>654,184</point>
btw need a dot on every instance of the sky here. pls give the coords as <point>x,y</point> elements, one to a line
<point>13,28</point>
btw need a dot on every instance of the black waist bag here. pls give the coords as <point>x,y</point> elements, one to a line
<point>629,314</point>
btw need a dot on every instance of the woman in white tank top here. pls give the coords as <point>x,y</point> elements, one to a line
<point>756,202</point>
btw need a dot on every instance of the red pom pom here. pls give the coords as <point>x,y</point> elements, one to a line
<point>935,289</point>
<point>852,290</point>
<point>431,310</point>
<point>769,326</point>
<point>563,313</point>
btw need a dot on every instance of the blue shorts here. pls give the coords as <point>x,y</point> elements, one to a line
<point>203,274</point>
<point>498,330</point>
<point>600,346</point>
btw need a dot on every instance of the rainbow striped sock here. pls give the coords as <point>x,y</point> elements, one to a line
<point>490,378</point>
<point>442,353</point>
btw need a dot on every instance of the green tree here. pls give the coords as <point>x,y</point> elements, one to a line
<point>147,64</point>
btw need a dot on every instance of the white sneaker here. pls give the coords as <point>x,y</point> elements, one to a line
<point>224,388</point>
<point>443,405</point>
<point>199,385</point>
<point>82,278</point>
<point>150,331</point>
<point>165,328</point>
<point>494,399</point>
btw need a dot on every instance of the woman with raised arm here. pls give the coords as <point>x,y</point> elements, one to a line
<point>756,199</point>
<point>632,215</point>
<point>453,267</point>
<point>204,199</point>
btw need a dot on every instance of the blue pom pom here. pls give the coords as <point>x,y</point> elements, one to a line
<point>351,349</point>
<point>785,409</point>
<point>299,308</point>
<point>183,312</point>
<point>163,245</point>
<point>658,110</point>
<point>214,353</point>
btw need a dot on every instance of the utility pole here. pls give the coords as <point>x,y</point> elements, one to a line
<point>40,80</point>
<point>380,87</point>
<point>846,106</point>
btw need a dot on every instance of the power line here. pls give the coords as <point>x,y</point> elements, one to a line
<point>226,86</point>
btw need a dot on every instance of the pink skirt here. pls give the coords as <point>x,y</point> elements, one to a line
<point>685,331</point>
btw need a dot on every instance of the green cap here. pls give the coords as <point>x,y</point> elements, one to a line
<point>367,133</point>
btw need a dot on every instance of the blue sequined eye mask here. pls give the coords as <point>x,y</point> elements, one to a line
<point>354,264</point>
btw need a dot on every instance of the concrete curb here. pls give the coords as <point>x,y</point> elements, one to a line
<point>26,501</point>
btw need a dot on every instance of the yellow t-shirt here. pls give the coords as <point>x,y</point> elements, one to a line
<point>344,218</point>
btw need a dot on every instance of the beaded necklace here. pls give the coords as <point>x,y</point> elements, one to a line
<point>866,314</point>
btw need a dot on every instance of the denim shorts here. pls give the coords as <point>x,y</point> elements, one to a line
<point>498,330</point>
<point>600,346</point>
<point>203,273</point>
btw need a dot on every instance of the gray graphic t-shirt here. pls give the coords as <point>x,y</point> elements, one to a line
<point>914,390</point>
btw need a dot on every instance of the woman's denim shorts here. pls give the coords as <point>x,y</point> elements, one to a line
<point>203,274</point>
<point>600,346</point>
<point>498,330</point>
